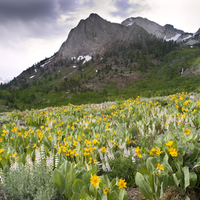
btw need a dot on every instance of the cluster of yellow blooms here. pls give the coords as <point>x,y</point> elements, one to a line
<point>95,180</point>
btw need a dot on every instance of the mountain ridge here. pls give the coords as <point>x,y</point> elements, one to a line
<point>95,35</point>
<point>100,58</point>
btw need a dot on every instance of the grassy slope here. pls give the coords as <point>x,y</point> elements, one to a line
<point>161,80</point>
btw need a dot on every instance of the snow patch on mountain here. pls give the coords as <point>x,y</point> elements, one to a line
<point>85,58</point>
<point>173,38</point>
<point>188,37</point>
<point>32,76</point>
<point>47,61</point>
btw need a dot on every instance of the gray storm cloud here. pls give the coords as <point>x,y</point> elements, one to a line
<point>34,18</point>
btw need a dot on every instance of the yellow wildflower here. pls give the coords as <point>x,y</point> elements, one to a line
<point>103,149</point>
<point>14,154</point>
<point>105,190</point>
<point>127,140</point>
<point>169,143</point>
<point>138,154</point>
<point>2,150</point>
<point>187,131</point>
<point>95,180</point>
<point>160,166</point>
<point>158,152</point>
<point>121,184</point>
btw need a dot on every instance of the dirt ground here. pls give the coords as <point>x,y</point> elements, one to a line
<point>135,194</point>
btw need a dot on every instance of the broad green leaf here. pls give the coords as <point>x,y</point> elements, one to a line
<point>70,180</point>
<point>83,192</point>
<point>165,180</point>
<point>113,183</point>
<point>84,176</point>
<point>182,152</point>
<point>68,190</point>
<point>104,197</point>
<point>138,177</point>
<point>193,179</point>
<point>87,197</point>
<point>187,198</point>
<point>59,180</point>
<point>113,196</point>
<point>91,190</point>
<point>151,164</point>
<point>143,169</point>
<point>161,190</point>
<point>123,194</point>
<point>186,176</point>
<point>145,188</point>
<point>176,181</point>
<point>197,165</point>
<point>65,168</point>
<point>78,186</point>
<point>166,163</point>
<point>75,196</point>
<point>93,171</point>
<point>179,162</point>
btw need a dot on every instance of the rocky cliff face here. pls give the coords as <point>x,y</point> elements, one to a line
<point>167,32</point>
<point>96,35</point>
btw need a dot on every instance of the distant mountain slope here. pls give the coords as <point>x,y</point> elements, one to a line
<point>167,32</point>
<point>96,35</point>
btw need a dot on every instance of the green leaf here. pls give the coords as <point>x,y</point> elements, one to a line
<point>78,186</point>
<point>193,179</point>
<point>59,180</point>
<point>104,197</point>
<point>197,165</point>
<point>187,198</point>
<point>123,194</point>
<point>176,181</point>
<point>92,190</point>
<point>68,190</point>
<point>186,176</point>
<point>85,177</point>
<point>145,188</point>
<point>179,162</point>
<point>151,164</point>
<point>87,197</point>
<point>75,196</point>
<point>65,168</point>
<point>161,190</point>
<point>70,180</point>
<point>93,171</point>
<point>113,183</point>
<point>182,152</point>
<point>166,163</point>
<point>113,196</point>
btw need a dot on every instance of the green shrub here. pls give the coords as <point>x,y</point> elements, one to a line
<point>25,183</point>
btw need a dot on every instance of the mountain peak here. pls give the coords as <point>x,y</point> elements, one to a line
<point>95,35</point>
<point>94,15</point>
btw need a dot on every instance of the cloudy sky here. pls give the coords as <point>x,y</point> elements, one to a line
<point>31,30</point>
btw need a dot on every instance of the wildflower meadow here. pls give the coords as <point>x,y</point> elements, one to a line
<point>96,151</point>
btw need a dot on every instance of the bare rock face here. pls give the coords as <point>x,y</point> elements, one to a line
<point>167,32</point>
<point>96,35</point>
<point>149,26</point>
